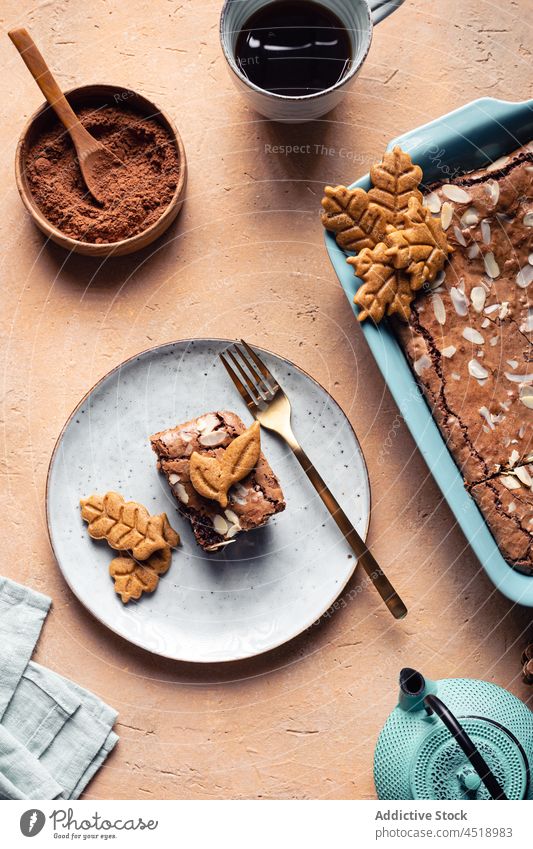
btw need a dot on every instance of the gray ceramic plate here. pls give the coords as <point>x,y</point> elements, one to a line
<point>254,595</point>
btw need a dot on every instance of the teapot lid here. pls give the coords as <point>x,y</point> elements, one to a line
<point>440,770</point>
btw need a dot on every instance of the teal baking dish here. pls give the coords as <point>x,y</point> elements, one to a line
<point>468,138</point>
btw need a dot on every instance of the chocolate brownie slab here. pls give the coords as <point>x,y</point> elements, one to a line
<point>509,514</point>
<point>469,342</point>
<point>251,502</point>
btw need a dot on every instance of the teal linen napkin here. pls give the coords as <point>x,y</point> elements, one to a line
<point>54,735</point>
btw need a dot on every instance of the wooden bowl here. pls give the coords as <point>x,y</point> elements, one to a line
<point>99,95</point>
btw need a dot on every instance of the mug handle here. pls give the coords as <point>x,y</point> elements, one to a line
<point>381,9</point>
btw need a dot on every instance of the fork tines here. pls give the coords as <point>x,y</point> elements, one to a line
<point>250,375</point>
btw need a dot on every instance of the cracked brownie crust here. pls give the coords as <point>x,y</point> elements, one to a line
<point>469,344</point>
<point>252,501</point>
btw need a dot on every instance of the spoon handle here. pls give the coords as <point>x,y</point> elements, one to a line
<point>45,80</point>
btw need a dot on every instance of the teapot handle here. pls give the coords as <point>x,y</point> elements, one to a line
<point>435,705</point>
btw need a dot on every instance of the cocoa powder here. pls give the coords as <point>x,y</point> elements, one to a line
<point>135,195</point>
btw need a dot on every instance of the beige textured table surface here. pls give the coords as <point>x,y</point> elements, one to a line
<point>246,255</point>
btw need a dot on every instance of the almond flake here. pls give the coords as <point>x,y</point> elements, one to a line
<point>233,518</point>
<point>527,325</point>
<point>527,401</point>
<point>473,335</point>
<point>475,369</point>
<point>446,215</point>
<point>212,439</point>
<point>493,189</point>
<point>173,479</point>
<point>207,423</point>
<point>455,193</point>
<point>449,351</point>
<point>473,251</point>
<point>459,301</point>
<point>512,363</point>
<point>486,415</point>
<point>523,475</point>
<point>182,493</point>
<point>217,545</point>
<point>459,236</point>
<point>504,310</point>
<point>527,220</point>
<point>509,481</point>
<point>514,458</point>
<point>478,296</point>
<point>518,378</point>
<point>439,309</point>
<point>491,266</point>
<point>220,525</point>
<point>485,231</point>
<point>432,202</point>
<point>498,164</point>
<point>421,364</point>
<point>524,276</point>
<point>470,217</point>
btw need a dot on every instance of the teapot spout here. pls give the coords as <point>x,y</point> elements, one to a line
<point>413,688</point>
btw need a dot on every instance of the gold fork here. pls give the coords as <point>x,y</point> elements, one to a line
<point>268,403</point>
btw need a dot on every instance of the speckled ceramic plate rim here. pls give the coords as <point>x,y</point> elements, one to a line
<point>153,350</point>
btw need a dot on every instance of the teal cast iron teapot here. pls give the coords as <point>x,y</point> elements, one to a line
<point>454,739</point>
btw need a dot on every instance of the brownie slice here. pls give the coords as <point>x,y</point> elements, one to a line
<point>252,501</point>
<point>469,342</point>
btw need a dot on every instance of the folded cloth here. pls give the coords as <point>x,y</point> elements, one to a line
<point>22,613</point>
<point>54,735</point>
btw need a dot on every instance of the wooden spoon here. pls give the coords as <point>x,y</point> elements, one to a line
<point>94,157</point>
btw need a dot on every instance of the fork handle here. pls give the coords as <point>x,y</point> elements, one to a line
<point>364,556</point>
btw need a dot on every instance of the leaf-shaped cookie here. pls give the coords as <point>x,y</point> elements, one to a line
<point>356,223</point>
<point>385,289</point>
<point>395,180</point>
<point>207,476</point>
<point>421,247</point>
<point>131,578</point>
<point>212,477</point>
<point>127,526</point>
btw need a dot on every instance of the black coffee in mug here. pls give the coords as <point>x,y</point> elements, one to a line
<point>293,47</point>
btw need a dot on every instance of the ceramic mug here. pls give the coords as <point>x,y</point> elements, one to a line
<point>358,16</point>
